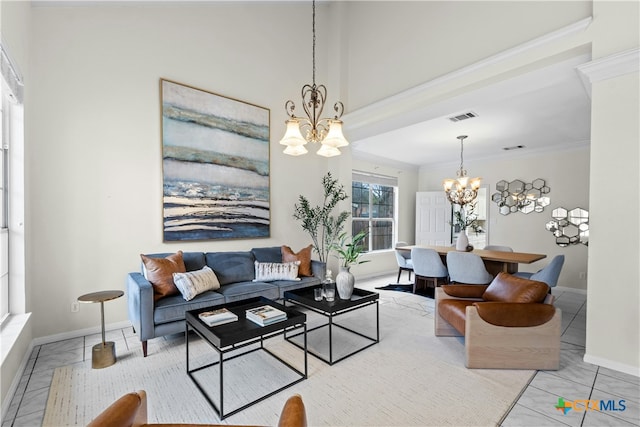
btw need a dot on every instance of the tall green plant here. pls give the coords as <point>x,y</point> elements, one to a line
<point>323,227</point>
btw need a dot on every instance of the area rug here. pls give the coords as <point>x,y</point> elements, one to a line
<point>410,378</point>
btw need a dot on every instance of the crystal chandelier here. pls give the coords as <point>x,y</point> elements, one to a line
<point>461,190</point>
<point>326,131</point>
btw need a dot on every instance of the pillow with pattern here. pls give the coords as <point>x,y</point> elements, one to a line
<point>193,283</point>
<point>269,271</point>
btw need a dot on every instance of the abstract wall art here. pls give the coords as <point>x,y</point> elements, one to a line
<point>215,164</point>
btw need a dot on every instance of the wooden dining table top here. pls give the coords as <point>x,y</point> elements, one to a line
<point>499,256</point>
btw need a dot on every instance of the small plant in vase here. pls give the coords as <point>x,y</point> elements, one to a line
<point>348,253</point>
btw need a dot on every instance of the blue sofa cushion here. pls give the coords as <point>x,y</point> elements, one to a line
<point>243,290</point>
<point>172,308</point>
<point>272,254</point>
<point>192,260</point>
<point>232,267</point>
<point>287,285</point>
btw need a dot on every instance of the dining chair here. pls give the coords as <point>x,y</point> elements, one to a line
<point>498,248</point>
<point>427,265</point>
<point>549,274</point>
<point>466,267</point>
<point>404,260</point>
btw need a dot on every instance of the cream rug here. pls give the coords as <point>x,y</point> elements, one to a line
<point>411,378</point>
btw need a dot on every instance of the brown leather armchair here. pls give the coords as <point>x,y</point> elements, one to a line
<point>510,323</point>
<point>131,411</point>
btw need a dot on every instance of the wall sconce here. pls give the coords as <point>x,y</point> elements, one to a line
<point>569,227</point>
<point>518,196</point>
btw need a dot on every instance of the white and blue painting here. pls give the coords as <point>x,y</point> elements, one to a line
<point>215,162</point>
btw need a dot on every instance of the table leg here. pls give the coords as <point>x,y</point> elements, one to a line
<point>103,354</point>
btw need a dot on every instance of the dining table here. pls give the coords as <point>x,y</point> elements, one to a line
<point>494,261</point>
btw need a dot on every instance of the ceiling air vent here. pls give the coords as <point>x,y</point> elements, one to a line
<point>515,147</point>
<point>465,116</point>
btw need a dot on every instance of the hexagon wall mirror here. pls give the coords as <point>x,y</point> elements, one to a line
<point>518,196</point>
<point>570,227</point>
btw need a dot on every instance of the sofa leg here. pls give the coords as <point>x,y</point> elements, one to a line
<point>144,348</point>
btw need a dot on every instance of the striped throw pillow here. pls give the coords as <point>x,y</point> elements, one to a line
<point>268,271</point>
<point>194,283</point>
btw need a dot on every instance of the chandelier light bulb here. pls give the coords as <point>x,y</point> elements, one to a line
<point>292,136</point>
<point>328,151</point>
<point>462,190</point>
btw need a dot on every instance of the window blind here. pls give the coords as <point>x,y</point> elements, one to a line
<point>11,75</point>
<point>371,178</point>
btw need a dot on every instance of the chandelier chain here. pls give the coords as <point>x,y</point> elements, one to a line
<point>313,29</point>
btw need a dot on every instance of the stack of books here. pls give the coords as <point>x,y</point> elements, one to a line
<point>217,317</point>
<point>265,315</point>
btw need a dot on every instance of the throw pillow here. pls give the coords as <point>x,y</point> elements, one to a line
<point>196,282</point>
<point>304,256</point>
<point>268,271</point>
<point>159,272</point>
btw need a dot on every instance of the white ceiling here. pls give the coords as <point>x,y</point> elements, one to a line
<point>546,109</point>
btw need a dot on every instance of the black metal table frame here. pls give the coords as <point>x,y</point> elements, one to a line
<point>330,315</point>
<point>221,360</point>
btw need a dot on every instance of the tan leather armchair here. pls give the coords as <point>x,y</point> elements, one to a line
<point>509,324</point>
<point>131,411</point>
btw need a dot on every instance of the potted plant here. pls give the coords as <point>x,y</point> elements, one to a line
<point>319,221</point>
<point>349,253</point>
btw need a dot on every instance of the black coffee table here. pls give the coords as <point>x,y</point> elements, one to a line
<point>361,298</point>
<point>242,333</point>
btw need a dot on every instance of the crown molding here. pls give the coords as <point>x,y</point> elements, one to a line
<point>611,66</point>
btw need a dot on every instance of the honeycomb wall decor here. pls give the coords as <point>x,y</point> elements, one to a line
<point>518,196</point>
<point>570,227</point>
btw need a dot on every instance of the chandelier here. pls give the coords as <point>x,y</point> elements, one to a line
<point>461,190</point>
<point>326,131</point>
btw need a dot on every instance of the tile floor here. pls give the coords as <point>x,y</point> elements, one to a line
<point>576,380</point>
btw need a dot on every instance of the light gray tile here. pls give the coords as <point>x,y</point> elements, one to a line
<point>619,375</point>
<point>625,389</point>
<point>545,403</point>
<point>562,387</point>
<point>64,345</point>
<point>33,401</point>
<point>521,416</point>
<point>56,360</point>
<point>574,336</point>
<point>40,379</point>
<point>572,357</point>
<point>30,420</point>
<point>571,370</point>
<point>564,346</point>
<point>602,419</point>
<point>620,406</point>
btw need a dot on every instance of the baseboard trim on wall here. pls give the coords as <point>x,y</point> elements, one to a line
<point>616,366</point>
<point>80,333</point>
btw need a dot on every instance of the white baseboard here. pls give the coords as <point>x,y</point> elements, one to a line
<point>80,333</point>
<point>565,289</point>
<point>616,366</point>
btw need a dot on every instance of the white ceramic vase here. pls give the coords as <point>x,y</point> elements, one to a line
<point>344,283</point>
<point>462,242</point>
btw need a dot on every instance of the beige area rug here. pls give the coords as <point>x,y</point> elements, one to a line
<point>411,378</point>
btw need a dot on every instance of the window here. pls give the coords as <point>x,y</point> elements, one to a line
<point>374,209</point>
<point>12,288</point>
<point>4,213</point>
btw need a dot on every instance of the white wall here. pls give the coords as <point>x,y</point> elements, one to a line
<point>614,273</point>
<point>565,172</point>
<point>94,146</point>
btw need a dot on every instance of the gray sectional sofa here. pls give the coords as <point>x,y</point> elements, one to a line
<point>235,272</point>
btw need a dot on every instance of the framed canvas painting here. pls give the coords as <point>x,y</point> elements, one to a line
<point>215,166</point>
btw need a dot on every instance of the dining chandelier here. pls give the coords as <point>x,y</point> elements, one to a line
<point>461,190</point>
<point>326,131</point>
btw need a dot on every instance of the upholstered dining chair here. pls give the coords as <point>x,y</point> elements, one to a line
<point>549,274</point>
<point>498,248</point>
<point>468,268</point>
<point>404,260</point>
<point>427,265</point>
